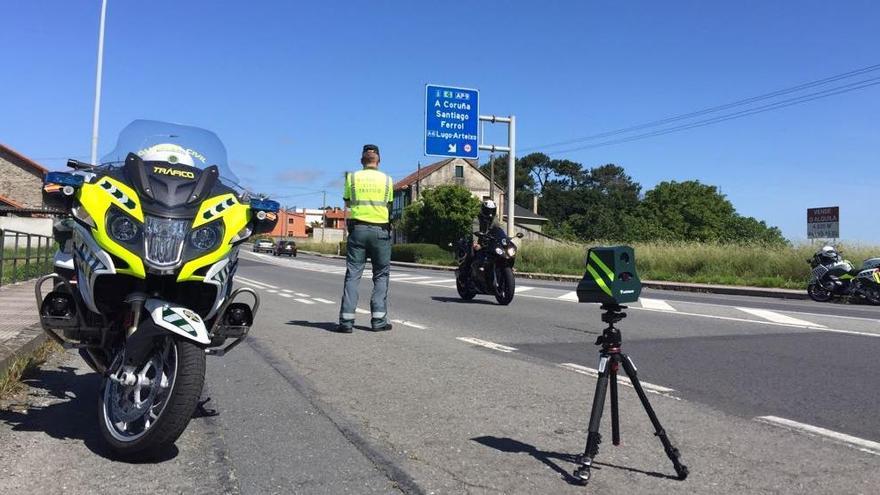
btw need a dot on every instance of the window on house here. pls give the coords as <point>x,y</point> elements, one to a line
<point>459,171</point>
<point>289,220</point>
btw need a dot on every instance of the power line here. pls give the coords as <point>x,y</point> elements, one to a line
<point>697,113</point>
<point>736,115</point>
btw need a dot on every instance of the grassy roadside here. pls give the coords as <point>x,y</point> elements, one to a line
<point>728,264</point>
<point>10,380</point>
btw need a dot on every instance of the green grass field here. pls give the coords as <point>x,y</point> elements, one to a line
<point>728,264</point>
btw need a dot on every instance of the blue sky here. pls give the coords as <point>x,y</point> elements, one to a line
<point>295,88</point>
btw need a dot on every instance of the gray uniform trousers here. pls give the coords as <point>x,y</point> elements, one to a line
<point>374,242</point>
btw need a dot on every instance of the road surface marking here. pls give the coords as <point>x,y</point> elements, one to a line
<point>325,301</point>
<point>408,278</point>
<point>272,291</point>
<point>657,304</point>
<point>286,290</point>
<point>778,317</point>
<point>304,301</point>
<point>410,324</point>
<point>569,296</point>
<point>487,344</point>
<point>284,295</point>
<point>256,282</point>
<point>300,294</point>
<point>251,284</point>
<point>849,440</point>
<point>522,288</point>
<point>362,311</point>
<point>437,281</point>
<point>621,379</point>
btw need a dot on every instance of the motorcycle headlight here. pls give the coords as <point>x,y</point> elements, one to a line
<point>499,251</point>
<point>206,238</point>
<point>122,228</point>
<point>164,240</point>
<point>511,250</point>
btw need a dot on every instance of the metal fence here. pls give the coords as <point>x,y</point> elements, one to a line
<point>24,256</point>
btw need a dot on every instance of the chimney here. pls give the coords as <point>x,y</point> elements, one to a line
<point>535,204</point>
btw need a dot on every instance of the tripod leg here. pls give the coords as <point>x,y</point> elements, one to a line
<point>680,469</point>
<point>593,436</point>
<point>615,421</point>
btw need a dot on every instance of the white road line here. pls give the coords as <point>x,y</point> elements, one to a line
<point>362,311</point>
<point>848,440</point>
<point>409,279</point>
<point>622,379</point>
<point>284,295</point>
<point>487,344</point>
<point>436,281</point>
<point>304,301</point>
<point>410,324</point>
<point>286,290</point>
<point>252,284</point>
<point>300,294</point>
<point>325,301</point>
<point>523,288</point>
<point>778,317</point>
<point>569,296</point>
<point>255,282</point>
<point>658,304</point>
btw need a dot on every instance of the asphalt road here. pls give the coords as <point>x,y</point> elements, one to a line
<point>468,397</point>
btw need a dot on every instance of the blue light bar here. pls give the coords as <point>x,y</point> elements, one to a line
<point>265,205</point>
<point>64,179</point>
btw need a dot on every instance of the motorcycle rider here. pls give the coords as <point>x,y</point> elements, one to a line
<point>486,222</point>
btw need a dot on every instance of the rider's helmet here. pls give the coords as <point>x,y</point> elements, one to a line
<point>828,254</point>
<point>167,152</point>
<point>487,214</point>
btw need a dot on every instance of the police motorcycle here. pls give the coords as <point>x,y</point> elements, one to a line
<point>488,270</point>
<point>143,280</point>
<point>832,276</point>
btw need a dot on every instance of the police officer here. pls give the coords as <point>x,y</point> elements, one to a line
<point>368,194</point>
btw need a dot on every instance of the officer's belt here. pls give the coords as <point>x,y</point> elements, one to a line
<point>385,226</point>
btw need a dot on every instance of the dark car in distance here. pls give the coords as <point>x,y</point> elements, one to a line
<point>263,245</point>
<point>285,247</point>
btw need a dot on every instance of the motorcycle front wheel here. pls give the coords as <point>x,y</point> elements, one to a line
<point>464,291</point>
<point>819,293</point>
<point>505,286</point>
<point>145,409</point>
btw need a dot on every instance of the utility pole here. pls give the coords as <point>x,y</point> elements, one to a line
<point>323,215</point>
<point>97,110</point>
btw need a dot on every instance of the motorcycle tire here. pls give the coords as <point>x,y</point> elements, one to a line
<point>464,291</point>
<point>819,293</point>
<point>174,416</point>
<point>872,295</point>
<point>505,286</point>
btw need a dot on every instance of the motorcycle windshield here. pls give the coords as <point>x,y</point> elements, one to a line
<point>179,144</point>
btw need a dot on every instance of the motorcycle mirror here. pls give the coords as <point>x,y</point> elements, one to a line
<point>520,235</point>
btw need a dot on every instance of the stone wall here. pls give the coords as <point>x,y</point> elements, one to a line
<point>20,183</point>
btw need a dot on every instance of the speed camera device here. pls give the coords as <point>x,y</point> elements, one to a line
<point>611,276</point>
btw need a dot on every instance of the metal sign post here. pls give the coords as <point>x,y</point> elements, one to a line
<point>511,161</point>
<point>451,121</point>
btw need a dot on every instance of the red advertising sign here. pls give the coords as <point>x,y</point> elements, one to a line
<point>823,223</point>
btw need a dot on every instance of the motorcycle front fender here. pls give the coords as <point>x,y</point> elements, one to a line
<point>178,319</point>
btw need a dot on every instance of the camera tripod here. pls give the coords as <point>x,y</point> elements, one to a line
<point>610,360</point>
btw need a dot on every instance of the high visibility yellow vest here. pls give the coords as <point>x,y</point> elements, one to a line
<point>368,193</point>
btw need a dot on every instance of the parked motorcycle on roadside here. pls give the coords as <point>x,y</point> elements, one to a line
<point>143,279</point>
<point>833,276</point>
<point>488,270</point>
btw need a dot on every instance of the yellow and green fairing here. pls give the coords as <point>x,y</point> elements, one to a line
<point>97,197</point>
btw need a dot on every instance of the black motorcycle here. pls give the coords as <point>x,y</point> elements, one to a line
<point>488,270</point>
<point>832,276</point>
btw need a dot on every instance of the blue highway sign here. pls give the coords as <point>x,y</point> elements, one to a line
<point>452,121</point>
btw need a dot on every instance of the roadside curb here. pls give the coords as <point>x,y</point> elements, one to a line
<point>24,344</point>
<point>731,290</point>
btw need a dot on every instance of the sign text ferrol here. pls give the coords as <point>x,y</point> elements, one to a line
<point>823,223</point>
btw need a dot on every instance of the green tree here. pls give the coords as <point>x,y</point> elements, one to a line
<point>442,215</point>
<point>525,183</point>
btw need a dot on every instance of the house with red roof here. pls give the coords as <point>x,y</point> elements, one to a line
<point>21,181</point>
